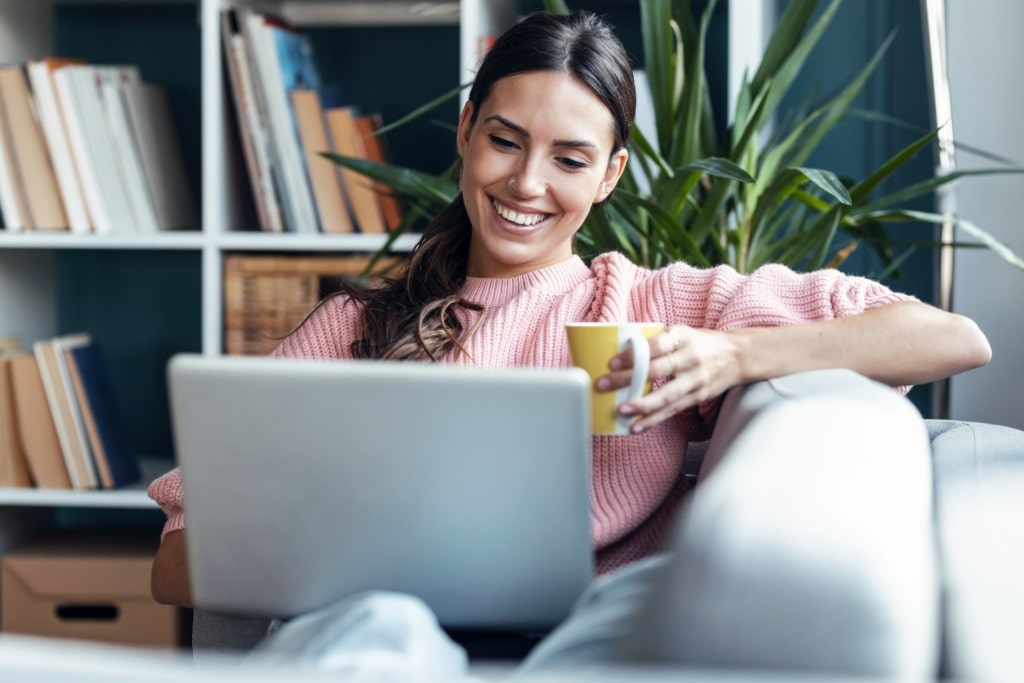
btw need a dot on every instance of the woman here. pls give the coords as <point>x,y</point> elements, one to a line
<point>494,280</point>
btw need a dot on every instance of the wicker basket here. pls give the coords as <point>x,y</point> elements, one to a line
<point>266,296</point>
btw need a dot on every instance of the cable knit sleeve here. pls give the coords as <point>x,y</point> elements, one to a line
<point>166,491</point>
<point>773,295</point>
<point>722,299</point>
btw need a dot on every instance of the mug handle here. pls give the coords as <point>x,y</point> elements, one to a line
<point>641,364</point>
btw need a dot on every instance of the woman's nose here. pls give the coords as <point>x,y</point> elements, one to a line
<point>526,181</point>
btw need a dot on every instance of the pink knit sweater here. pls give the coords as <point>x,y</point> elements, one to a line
<point>637,479</point>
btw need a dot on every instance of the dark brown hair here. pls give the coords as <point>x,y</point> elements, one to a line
<point>411,316</point>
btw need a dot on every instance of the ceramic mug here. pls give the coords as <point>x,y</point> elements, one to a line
<point>591,346</point>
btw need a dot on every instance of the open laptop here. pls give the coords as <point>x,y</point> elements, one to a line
<point>307,481</point>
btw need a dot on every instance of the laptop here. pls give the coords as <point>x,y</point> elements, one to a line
<point>307,481</point>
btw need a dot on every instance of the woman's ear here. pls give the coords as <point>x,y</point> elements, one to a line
<point>616,167</point>
<point>465,126</point>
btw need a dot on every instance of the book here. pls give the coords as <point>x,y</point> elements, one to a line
<point>13,205</point>
<point>36,427</point>
<point>324,174</point>
<point>282,57</point>
<point>51,119</point>
<point>60,396</point>
<point>32,158</point>
<point>163,163</point>
<point>111,444</point>
<point>113,82</point>
<point>13,465</point>
<point>347,141</point>
<point>377,150</point>
<point>78,92</point>
<point>251,125</point>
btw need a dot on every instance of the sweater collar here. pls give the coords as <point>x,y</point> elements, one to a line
<point>496,291</point>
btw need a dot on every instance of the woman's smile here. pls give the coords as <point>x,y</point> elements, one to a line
<point>521,220</point>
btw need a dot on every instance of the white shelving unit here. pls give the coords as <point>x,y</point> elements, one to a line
<point>29,261</point>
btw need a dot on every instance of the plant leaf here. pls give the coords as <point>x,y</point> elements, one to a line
<point>406,181</point>
<point>926,186</point>
<point>423,109</point>
<point>721,168</point>
<point>556,6</point>
<point>861,190</point>
<point>984,237</point>
<point>827,182</point>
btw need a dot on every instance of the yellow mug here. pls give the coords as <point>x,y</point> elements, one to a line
<point>591,346</point>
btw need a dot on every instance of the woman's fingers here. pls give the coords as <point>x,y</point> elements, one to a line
<point>697,364</point>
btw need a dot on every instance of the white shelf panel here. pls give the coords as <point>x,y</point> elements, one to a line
<point>260,241</point>
<point>255,241</point>
<point>128,497</point>
<point>62,240</point>
<point>121,499</point>
<point>371,13</point>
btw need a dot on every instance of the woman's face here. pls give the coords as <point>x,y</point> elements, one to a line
<point>536,159</point>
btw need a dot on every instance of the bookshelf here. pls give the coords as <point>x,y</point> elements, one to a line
<point>146,297</point>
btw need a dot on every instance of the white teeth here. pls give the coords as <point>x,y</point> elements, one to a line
<point>518,218</point>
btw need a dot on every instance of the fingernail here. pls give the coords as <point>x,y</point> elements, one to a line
<point>615,363</point>
<point>625,410</point>
<point>637,428</point>
<point>603,384</point>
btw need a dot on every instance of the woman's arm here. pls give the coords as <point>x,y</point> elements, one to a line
<point>169,579</point>
<point>898,344</point>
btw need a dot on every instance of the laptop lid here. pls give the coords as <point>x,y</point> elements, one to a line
<point>307,481</point>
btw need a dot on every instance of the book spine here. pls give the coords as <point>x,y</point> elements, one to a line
<point>54,132</point>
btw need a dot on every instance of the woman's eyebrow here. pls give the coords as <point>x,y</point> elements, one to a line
<point>522,131</point>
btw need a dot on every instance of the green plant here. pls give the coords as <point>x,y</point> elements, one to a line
<point>747,197</point>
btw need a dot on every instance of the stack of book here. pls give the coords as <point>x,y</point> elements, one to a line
<point>60,425</point>
<point>89,149</point>
<point>266,296</point>
<point>286,119</point>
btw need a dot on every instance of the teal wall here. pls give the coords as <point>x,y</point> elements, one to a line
<point>393,70</point>
<point>899,90</point>
<point>141,307</point>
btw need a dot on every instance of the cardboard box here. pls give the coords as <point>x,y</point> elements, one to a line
<point>86,586</point>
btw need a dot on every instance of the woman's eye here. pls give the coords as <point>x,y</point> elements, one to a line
<point>501,142</point>
<point>572,163</point>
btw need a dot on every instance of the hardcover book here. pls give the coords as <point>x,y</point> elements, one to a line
<point>51,119</point>
<point>31,156</point>
<point>111,444</point>
<point>323,173</point>
<point>348,142</point>
<point>283,59</point>
<point>36,426</point>
<point>14,470</point>
<point>64,408</point>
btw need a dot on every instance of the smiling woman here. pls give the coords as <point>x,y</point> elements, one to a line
<point>494,282</point>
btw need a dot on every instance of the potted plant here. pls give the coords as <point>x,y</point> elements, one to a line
<point>746,197</point>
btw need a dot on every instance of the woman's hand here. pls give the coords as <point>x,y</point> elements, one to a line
<point>169,578</point>
<point>699,365</point>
